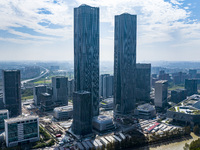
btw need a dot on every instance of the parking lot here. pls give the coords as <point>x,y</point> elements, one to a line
<point>153,127</point>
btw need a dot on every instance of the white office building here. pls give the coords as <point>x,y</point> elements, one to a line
<point>145,111</point>
<point>21,130</point>
<point>63,113</point>
<point>103,123</point>
<point>161,90</point>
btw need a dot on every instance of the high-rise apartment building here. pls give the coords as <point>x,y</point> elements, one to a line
<point>143,82</point>
<point>37,91</point>
<point>21,129</point>
<point>161,91</point>
<point>12,92</point>
<point>86,52</point>
<point>125,63</point>
<point>60,90</point>
<point>82,113</point>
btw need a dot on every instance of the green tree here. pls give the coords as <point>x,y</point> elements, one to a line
<point>196,129</point>
<point>195,145</point>
<point>186,147</point>
<point>187,130</point>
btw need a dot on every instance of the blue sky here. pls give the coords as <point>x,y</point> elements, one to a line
<point>43,29</point>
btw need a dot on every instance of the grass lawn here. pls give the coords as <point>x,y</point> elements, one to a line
<point>27,97</point>
<point>175,87</point>
<point>42,82</point>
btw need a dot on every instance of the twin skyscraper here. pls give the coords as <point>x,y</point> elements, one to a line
<point>86,58</point>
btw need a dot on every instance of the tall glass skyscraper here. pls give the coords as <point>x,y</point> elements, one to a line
<point>86,52</point>
<point>12,92</point>
<point>125,63</point>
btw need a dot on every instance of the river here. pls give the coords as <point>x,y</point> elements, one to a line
<point>178,145</point>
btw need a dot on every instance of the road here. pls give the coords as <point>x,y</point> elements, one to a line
<point>40,76</point>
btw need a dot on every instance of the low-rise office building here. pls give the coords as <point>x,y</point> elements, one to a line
<point>146,111</point>
<point>102,123</point>
<point>21,130</point>
<point>37,91</point>
<point>82,113</point>
<point>4,114</point>
<point>63,113</point>
<point>46,102</point>
<point>187,111</point>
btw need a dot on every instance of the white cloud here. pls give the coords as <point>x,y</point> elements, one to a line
<point>24,13</point>
<point>158,20</point>
<point>177,2</point>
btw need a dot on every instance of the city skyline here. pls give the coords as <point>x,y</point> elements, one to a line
<point>43,30</point>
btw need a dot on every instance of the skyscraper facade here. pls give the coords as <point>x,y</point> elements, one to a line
<point>143,82</point>
<point>60,90</point>
<point>12,92</point>
<point>125,63</point>
<point>70,89</point>
<point>82,113</point>
<point>86,52</point>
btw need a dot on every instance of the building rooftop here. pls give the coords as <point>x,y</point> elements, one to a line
<point>20,118</point>
<point>128,14</point>
<point>108,100</point>
<point>82,92</point>
<point>146,107</point>
<point>64,108</point>
<point>191,105</point>
<point>40,85</point>
<point>138,65</point>
<point>59,77</point>
<point>102,119</point>
<point>191,79</point>
<point>3,111</point>
<point>10,70</point>
<point>161,81</point>
<point>46,94</point>
<point>179,90</point>
<point>83,5</point>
